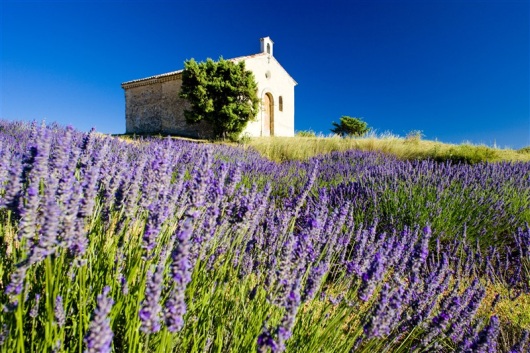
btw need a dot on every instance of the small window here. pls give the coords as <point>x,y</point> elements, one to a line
<point>280,103</point>
<point>268,48</point>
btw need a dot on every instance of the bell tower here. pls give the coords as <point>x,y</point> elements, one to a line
<point>266,45</point>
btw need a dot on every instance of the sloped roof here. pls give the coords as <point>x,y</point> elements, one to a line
<point>152,79</point>
<point>173,75</point>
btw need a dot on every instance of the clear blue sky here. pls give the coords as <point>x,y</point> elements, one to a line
<point>457,70</point>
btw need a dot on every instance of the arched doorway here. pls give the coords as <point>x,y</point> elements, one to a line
<point>267,128</point>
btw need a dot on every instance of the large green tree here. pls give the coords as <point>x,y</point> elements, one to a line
<point>349,126</point>
<point>221,93</point>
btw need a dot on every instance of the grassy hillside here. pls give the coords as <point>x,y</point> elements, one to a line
<point>302,148</point>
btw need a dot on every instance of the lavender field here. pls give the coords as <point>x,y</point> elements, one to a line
<point>161,245</point>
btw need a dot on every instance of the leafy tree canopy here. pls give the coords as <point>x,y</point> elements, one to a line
<point>349,126</point>
<point>222,93</point>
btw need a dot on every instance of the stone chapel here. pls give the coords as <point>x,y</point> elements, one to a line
<point>153,105</point>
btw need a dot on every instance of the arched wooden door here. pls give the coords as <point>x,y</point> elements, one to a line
<point>267,128</point>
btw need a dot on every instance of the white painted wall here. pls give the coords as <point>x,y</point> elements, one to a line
<point>273,79</point>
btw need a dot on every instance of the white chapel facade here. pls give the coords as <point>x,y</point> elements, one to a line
<point>153,105</point>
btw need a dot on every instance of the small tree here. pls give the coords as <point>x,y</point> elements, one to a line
<point>222,93</point>
<point>349,126</point>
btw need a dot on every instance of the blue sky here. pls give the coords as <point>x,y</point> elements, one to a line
<point>456,70</point>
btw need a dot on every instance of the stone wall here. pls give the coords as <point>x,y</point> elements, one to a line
<point>155,107</point>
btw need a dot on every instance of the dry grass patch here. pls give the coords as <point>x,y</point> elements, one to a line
<point>301,148</point>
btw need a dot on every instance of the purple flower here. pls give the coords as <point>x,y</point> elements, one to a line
<point>99,336</point>
<point>234,177</point>
<point>314,280</point>
<point>201,177</point>
<point>395,251</point>
<point>437,326</point>
<point>284,271</point>
<point>150,308</point>
<point>78,241</point>
<point>378,325</point>
<point>48,241</point>
<point>266,340</point>
<point>464,317</point>
<point>486,340</point>
<point>181,265</point>
<point>13,194</point>
<point>90,183</point>
<point>16,284</point>
<point>4,334</point>
<point>370,278</point>
<point>175,310</point>
<point>34,312</point>
<point>59,311</point>
<point>299,200</point>
<point>124,285</point>
<point>435,283</point>
<point>419,256</point>
<point>291,308</point>
<point>28,212</point>
<point>180,269</point>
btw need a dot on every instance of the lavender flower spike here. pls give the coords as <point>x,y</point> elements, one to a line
<point>150,311</point>
<point>266,341</point>
<point>370,279</point>
<point>486,341</point>
<point>181,269</point>
<point>59,311</point>
<point>4,334</point>
<point>34,312</point>
<point>99,336</point>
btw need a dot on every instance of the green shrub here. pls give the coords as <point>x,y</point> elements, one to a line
<point>349,126</point>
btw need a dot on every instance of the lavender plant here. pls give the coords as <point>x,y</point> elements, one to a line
<point>211,248</point>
